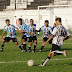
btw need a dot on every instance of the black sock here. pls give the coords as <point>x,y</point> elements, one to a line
<point>20,47</point>
<point>29,47</point>
<point>34,47</point>
<point>42,48</point>
<point>2,46</point>
<point>46,60</point>
<point>24,46</point>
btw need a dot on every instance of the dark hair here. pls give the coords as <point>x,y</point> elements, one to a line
<point>20,19</point>
<point>47,21</point>
<point>7,20</point>
<point>54,23</point>
<point>59,19</point>
<point>31,19</point>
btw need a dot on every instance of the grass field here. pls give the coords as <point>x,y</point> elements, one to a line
<point>13,60</point>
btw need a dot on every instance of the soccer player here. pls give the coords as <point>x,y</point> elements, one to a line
<point>46,33</point>
<point>23,27</point>
<point>11,35</point>
<point>54,26</point>
<point>31,28</point>
<point>59,34</point>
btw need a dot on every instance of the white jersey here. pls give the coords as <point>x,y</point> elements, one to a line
<point>59,33</point>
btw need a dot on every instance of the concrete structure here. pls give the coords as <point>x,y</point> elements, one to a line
<point>64,13</point>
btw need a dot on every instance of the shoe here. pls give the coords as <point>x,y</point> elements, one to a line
<point>29,51</point>
<point>1,50</point>
<point>65,53</point>
<point>41,65</point>
<point>33,51</point>
<point>40,50</point>
<point>23,50</point>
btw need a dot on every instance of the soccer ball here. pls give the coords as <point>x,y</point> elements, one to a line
<point>30,63</point>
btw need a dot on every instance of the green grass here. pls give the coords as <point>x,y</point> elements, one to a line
<point>12,53</point>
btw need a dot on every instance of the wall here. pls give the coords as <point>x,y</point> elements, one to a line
<point>64,13</point>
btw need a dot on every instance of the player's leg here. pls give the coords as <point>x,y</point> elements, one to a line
<point>24,39</point>
<point>16,42</point>
<point>44,40</point>
<point>35,43</point>
<point>6,39</point>
<point>30,43</point>
<point>54,52</point>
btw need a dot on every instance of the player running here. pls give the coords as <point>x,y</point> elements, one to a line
<point>59,34</point>
<point>31,28</point>
<point>23,27</point>
<point>11,35</point>
<point>46,33</point>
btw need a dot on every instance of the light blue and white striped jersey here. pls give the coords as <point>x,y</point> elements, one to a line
<point>10,31</point>
<point>22,27</point>
<point>46,31</point>
<point>31,30</point>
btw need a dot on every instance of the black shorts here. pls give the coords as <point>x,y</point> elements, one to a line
<point>31,39</point>
<point>7,39</point>
<point>45,39</point>
<point>24,37</point>
<point>55,47</point>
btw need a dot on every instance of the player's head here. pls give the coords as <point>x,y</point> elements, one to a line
<point>46,22</point>
<point>31,21</point>
<point>54,24</point>
<point>7,21</point>
<point>20,21</point>
<point>58,20</point>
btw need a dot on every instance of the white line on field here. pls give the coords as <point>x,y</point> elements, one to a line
<point>36,60</point>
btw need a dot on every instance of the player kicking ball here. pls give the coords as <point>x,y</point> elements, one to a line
<point>46,33</point>
<point>11,35</point>
<point>59,34</point>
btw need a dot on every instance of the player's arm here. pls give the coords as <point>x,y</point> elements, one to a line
<point>3,34</point>
<point>68,36</point>
<point>51,37</point>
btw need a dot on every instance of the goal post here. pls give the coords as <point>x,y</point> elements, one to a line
<point>50,9</point>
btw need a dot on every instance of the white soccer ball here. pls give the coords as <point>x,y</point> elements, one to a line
<point>30,63</point>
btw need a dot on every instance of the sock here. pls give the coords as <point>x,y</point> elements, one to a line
<point>29,47</point>
<point>24,46</point>
<point>34,47</point>
<point>2,46</point>
<point>42,48</point>
<point>20,47</point>
<point>59,52</point>
<point>46,60</point>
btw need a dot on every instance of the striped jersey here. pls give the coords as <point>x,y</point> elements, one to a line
<point>10,31</point>
<point>31,29</point>
<point>59,33</point>
<point>22,27</point>
<point>46,31</point>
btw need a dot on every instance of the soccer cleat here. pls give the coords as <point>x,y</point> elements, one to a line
<point>65,53</point>
<point>41,65</point>
<point>23,50</point>
<point>1,50</point>
<point>29,51</point>
<point>33,51</point>
<point>40,50</point>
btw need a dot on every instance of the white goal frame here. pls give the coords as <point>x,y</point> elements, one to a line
<point>51,7</point>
